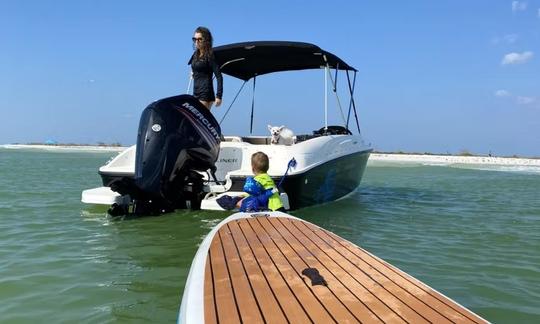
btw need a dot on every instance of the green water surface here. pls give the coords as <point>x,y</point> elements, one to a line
<point>474,235</point>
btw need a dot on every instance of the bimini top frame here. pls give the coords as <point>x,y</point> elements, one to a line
<point>248,60</point>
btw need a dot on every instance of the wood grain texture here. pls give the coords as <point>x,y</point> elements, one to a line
<point>254,275</point>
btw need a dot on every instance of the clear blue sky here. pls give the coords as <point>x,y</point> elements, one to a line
<point>434,76</point>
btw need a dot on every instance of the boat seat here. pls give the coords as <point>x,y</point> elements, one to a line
<point>260,140</point>
<point>305,137</point>
<point>236,139</point>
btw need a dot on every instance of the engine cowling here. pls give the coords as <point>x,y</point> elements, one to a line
<point>177,136</point>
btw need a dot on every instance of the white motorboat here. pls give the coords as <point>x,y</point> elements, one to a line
<point>183,161</point>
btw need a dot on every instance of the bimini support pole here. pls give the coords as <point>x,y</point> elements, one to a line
<point>252,105</point>
<point>334,87</point>
<point>325,99</point>
<point>189,84</point>
<point>352,103</point>
<point>236,96</point>
<point>232,103</point>
<point>351,95</point>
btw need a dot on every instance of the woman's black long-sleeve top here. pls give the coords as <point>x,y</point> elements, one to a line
<point>203,68</point>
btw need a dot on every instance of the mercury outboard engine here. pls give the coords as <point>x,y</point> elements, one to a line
<point>177,137</point>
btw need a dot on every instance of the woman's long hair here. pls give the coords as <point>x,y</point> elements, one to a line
<point>205,49</point>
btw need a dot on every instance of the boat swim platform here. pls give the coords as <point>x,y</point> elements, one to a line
<point>275,268</point>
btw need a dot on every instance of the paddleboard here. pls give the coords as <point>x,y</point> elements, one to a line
<point>275,268</point>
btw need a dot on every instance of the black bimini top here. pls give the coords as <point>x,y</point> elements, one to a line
<point>249,59</point>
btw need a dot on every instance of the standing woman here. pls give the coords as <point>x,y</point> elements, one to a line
<point>203,66</point>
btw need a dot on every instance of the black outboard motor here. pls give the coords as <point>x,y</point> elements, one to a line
<point>177,137</point>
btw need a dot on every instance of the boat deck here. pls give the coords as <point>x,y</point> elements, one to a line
<point>254,275</point>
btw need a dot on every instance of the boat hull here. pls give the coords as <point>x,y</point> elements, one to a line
<point>326,182</point>
<point>328,168</point>
<point>322,183</point>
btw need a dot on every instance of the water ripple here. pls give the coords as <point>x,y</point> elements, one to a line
<point>473,235</point>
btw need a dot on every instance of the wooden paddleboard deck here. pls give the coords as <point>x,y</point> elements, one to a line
<point>275,268</point>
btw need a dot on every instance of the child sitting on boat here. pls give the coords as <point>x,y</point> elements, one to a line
<point>261,191</point>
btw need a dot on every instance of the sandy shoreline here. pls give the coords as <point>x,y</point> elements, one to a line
<point>454,159</point>
<point>374,157</point>
<point>84,148</point>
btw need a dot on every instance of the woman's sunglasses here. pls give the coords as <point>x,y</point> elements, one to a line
<point>194,39</point>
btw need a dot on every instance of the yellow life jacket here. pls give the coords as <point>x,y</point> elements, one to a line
<point>274,202</point>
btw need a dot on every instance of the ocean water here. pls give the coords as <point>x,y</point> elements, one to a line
<point>472,234</point>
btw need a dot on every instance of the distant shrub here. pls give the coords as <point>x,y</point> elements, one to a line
<point>465,153</point>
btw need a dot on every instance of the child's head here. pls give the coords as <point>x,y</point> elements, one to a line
<point>259,163</point>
